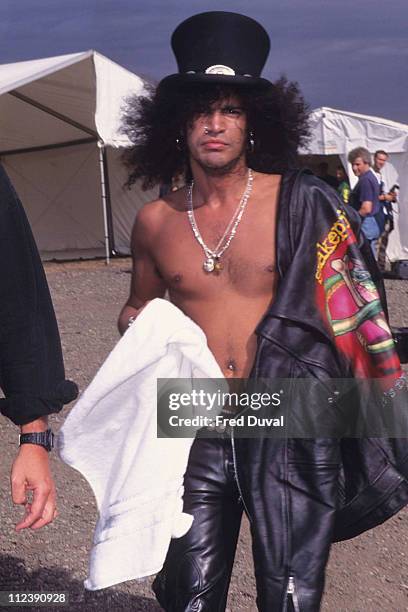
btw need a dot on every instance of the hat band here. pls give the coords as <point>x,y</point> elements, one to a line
<point>218,69</point>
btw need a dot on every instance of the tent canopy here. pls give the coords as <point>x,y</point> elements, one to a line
<point>63,99</point>
<point>335,132</point>
<point>59,141</point>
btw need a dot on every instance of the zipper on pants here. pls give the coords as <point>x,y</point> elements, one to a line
<point>234,459</point>
<point>291,592</point>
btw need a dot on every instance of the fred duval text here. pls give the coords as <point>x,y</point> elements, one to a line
<point>220,420</point>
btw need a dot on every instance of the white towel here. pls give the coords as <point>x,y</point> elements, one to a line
<point>110,437</point>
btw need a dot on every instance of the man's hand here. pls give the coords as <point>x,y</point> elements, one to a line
<point>387,197</point>
<point>127,312</point>
<point>31,472</point>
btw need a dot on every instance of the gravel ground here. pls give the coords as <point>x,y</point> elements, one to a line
<point>366,574</point>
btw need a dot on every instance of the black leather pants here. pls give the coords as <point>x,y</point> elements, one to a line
<point>198,566</point>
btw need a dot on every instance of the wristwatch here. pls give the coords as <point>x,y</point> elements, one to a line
<point>42,438</point>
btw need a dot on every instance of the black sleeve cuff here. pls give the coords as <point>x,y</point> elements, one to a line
<point>24,408</point>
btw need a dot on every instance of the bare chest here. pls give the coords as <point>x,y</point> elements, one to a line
<point>246,266</point>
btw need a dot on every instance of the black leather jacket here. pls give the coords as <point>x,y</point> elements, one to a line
<point>301,493</point>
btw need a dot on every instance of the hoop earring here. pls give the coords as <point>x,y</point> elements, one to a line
<point>251,142</point>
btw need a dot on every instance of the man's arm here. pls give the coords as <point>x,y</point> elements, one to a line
<point>146,282</point>
<point>365,208</point>
<point>31,366</point>
<point>367,198</point>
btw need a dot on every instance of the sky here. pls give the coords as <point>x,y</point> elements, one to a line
<point>346,54</point>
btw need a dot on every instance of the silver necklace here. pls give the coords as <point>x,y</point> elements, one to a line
<point>212,256</point>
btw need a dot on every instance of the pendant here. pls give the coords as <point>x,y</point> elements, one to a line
<point>218,266</point>
<point>209,265</point>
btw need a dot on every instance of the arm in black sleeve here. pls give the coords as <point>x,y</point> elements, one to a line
<point>32,373</point>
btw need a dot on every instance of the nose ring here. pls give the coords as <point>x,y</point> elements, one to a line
<point>206,130</point>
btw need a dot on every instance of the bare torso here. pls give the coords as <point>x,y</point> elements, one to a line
<point>227,306</point>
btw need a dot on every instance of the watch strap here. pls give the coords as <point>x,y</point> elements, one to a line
<point>41,438</point>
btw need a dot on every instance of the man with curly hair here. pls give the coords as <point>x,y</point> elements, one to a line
<point>261,257</point>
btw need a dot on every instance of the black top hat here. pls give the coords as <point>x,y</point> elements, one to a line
<point>219,47</point>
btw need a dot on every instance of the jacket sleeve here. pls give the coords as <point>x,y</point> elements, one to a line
<point>32,373</point>
<point>349,292</point>
<point>367,253</point>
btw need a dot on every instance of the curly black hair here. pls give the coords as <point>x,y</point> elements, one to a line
<point>155,123</point>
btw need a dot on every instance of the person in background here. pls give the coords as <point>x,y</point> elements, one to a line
<point>385,216</point>
<point>324,175</point>
<point>32,374</point>
<point>343,186</point>
<point>364,197</point>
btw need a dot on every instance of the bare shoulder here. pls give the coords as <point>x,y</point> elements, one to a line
<point>154,215</point>
<point>266,184</point>
<point>271,180</point>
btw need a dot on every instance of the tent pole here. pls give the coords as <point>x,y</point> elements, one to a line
<point>108,202</point>
<point>101,148</point>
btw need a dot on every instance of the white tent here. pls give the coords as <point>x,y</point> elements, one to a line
<point>60,144</point>
<point>336,132</point>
